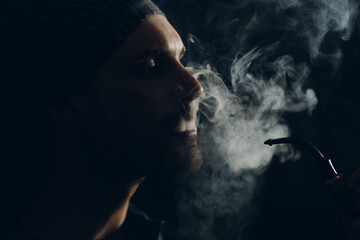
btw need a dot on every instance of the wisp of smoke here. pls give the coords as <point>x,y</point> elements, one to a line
<point>236,118</point>
<point>239,121</point>
<point>234,124</point>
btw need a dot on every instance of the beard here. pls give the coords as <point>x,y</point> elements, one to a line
<point>140,143</point>
<point>137,156</point>
<point>182,155</point>
<point>174,155</point>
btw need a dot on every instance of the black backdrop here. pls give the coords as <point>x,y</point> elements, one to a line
<point>293,201</point>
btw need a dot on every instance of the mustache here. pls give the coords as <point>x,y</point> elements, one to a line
<point>195,93</point>
<point>179,116</point>
<point>185,108</point>
<point>189,105</point>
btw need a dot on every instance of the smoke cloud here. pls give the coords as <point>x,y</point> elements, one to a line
<point>240,121</point>
<point>242,108</point>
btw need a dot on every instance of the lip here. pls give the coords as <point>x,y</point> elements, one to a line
<point>186,138</point>
<point>186,132</point>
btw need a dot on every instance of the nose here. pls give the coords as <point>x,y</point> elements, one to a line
<point>188,92</point>
<point>188,87</point>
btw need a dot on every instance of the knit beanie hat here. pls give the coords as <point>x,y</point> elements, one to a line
<point>53,50</point>
<point>58,45</point>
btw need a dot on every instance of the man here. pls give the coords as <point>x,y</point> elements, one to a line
<point>97,100</point>
<point>100,101</point>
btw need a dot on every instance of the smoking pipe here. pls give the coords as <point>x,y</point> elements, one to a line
<point>344,197</point>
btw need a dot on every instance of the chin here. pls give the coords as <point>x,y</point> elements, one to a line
<point>182,156</point>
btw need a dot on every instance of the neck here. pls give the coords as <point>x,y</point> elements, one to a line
<point>81,215</point>
<point>79,202</point>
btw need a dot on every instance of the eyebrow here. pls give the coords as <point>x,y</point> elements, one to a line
<point>158,52</point>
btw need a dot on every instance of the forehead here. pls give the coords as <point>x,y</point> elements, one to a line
<point>154,33</point>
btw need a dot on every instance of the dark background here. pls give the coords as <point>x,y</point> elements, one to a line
<point>293,202</point>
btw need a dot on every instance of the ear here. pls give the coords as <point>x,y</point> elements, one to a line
<point>73,115</point>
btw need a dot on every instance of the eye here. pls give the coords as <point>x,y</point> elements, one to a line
<point>148,67</point>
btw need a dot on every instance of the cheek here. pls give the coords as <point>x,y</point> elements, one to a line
<point>145,106</point>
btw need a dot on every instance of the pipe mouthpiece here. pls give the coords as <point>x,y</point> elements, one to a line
<point>269,142</point>
<point>327,168</point>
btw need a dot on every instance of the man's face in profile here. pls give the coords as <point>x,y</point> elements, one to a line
<point>135,118</point>
<point>145,104</point>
